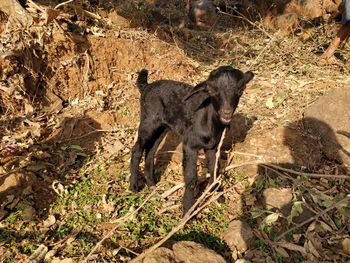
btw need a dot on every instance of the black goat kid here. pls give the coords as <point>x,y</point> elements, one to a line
<point>199,114</point>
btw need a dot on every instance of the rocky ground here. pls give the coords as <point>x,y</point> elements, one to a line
<point>70,110</point>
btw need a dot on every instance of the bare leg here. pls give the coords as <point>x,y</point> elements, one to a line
<point>342,34</point>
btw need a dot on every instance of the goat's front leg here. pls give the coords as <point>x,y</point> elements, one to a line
<point>211,158</point>
<point>190,157</point>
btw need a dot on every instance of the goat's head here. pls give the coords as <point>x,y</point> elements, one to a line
<point>225,86</point>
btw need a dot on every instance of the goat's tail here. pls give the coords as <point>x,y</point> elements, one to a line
<point>142,79</point>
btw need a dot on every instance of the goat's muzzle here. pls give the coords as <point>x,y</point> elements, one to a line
<point>225,116</point>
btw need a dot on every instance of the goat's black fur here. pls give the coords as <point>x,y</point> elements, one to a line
<point>199,114</point>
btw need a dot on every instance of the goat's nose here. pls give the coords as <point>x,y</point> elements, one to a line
<point>227,111</point>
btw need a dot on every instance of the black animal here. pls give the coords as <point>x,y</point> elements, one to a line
<point>199,114</point>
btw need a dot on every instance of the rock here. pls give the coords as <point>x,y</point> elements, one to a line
<point>15,183</point>
<point>3,213</point>
<point>239,236</point>
<point>282,200</point>
<point>118,20</point>
<point>160,255</point>
<point>50,221</point>
<point>286,15</point>
<point>346,246</point>
<point>28,213</point>
<point>287,22</point>
<point>39,254</point>
<point>306,9</point>
<point>277,198</point>
<point>284,146</point>
<point>329,119</point>
<point>191,252</point>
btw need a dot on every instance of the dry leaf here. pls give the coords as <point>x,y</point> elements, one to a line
<point>51,220</point>
<point>269,103</point>
<point>312,249</point>
<point>58,188</point>
<point>281,251</point>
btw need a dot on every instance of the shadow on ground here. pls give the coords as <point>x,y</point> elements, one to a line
<point>36,175</point>
<point>297,198</point>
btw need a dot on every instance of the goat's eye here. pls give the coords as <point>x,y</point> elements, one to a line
<point>212,92</point>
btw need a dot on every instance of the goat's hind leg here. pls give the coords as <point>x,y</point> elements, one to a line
<point>136,155</point>
<point>150,152</point>
<point>144,140</point>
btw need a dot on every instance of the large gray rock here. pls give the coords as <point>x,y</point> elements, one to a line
<point>191,252</point>
<point>329,119</point>
<point>160,255</point>
<point>239,236</point>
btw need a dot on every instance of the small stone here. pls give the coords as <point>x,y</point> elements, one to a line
<point>51,220</point>
<point>346,245</point>
<point>191,252</point>
<point>239,236</point>
<point>28,213</point>
<point>287,22</point>
<point>277,198</point>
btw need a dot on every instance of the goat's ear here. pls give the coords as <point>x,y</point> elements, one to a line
<point>197,96</point>
<point>248,76</point>
<point>196,89</point>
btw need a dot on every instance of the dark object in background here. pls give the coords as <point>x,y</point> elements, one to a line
<point>198,114</point>
<point>202,14</point>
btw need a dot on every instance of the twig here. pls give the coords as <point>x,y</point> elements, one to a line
<point>172,190</point>
<point>248,154</point>
<point>38,7</point>
<point>119,223</point>
<point>315,217</point>
<point>85,135</point>
<point>217,155</point>
<point>62,4</point>
<point>279,173</point>
<point>201,179</point>
<point>263,237</point>
<point>241,16</point>
<point>11,172</point>
<point>329,176</point>
<point>233,166</point>
<point>291,246</point>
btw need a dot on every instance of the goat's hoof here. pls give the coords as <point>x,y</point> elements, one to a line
<point>151,182</point>
<point>134,188</point>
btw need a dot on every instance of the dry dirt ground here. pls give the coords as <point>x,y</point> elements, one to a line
<point>69,113</point>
